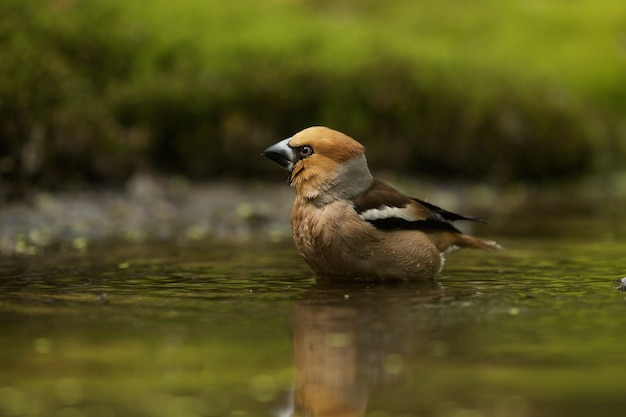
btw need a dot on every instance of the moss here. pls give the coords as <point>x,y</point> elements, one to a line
<point>490,90</point>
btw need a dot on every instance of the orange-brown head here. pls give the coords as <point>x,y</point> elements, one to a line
<point>324,164</point>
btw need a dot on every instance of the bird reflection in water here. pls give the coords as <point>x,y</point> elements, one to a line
<point>349,339</point>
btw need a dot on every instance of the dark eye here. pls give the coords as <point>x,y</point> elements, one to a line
<point>305,151</point>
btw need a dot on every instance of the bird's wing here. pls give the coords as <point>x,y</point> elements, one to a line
<point>387,208</point>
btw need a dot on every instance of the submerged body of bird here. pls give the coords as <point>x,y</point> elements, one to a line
<point>348,225</point>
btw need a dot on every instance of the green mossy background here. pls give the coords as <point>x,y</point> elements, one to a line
<point>92,92</point>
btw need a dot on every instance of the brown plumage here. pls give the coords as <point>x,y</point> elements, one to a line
<point>347,224</point>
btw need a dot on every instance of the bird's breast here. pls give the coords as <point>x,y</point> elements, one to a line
<point>313,226</point>
<point>332,238</point>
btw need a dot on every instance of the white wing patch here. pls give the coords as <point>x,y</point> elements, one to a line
<point>387,212</point>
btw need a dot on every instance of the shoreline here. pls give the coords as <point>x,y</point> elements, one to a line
<point>154,209</point>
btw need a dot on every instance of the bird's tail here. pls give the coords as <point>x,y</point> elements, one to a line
<point>467,241</point>
<point>448,242</point>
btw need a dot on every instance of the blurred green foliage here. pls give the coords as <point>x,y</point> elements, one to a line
<point>526,89</point>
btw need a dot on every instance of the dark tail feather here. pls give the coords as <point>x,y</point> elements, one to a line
<point>442,214</point>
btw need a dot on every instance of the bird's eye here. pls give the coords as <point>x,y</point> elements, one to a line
<point>305,151</point>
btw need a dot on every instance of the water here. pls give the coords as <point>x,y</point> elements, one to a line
<point>214,329</point>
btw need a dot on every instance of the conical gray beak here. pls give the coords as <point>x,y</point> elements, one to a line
<point>282,154</point>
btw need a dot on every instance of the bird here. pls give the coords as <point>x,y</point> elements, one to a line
<point>348,225</point>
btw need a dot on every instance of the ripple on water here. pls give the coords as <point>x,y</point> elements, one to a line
<point>530,329</point>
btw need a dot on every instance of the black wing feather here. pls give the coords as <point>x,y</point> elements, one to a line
<point>380,195</point>
<point>394,223</point>
<point>438,212</point>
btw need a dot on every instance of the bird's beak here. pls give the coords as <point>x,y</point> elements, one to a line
<point>282,154</point>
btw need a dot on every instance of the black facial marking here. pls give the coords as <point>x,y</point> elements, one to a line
<point>304,151</point>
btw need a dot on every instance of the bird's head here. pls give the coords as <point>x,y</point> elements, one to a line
<point>323,164</point>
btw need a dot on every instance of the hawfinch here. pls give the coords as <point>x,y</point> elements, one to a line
<point>348,225</point>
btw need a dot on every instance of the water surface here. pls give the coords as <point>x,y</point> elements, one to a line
<point>215,329</point>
